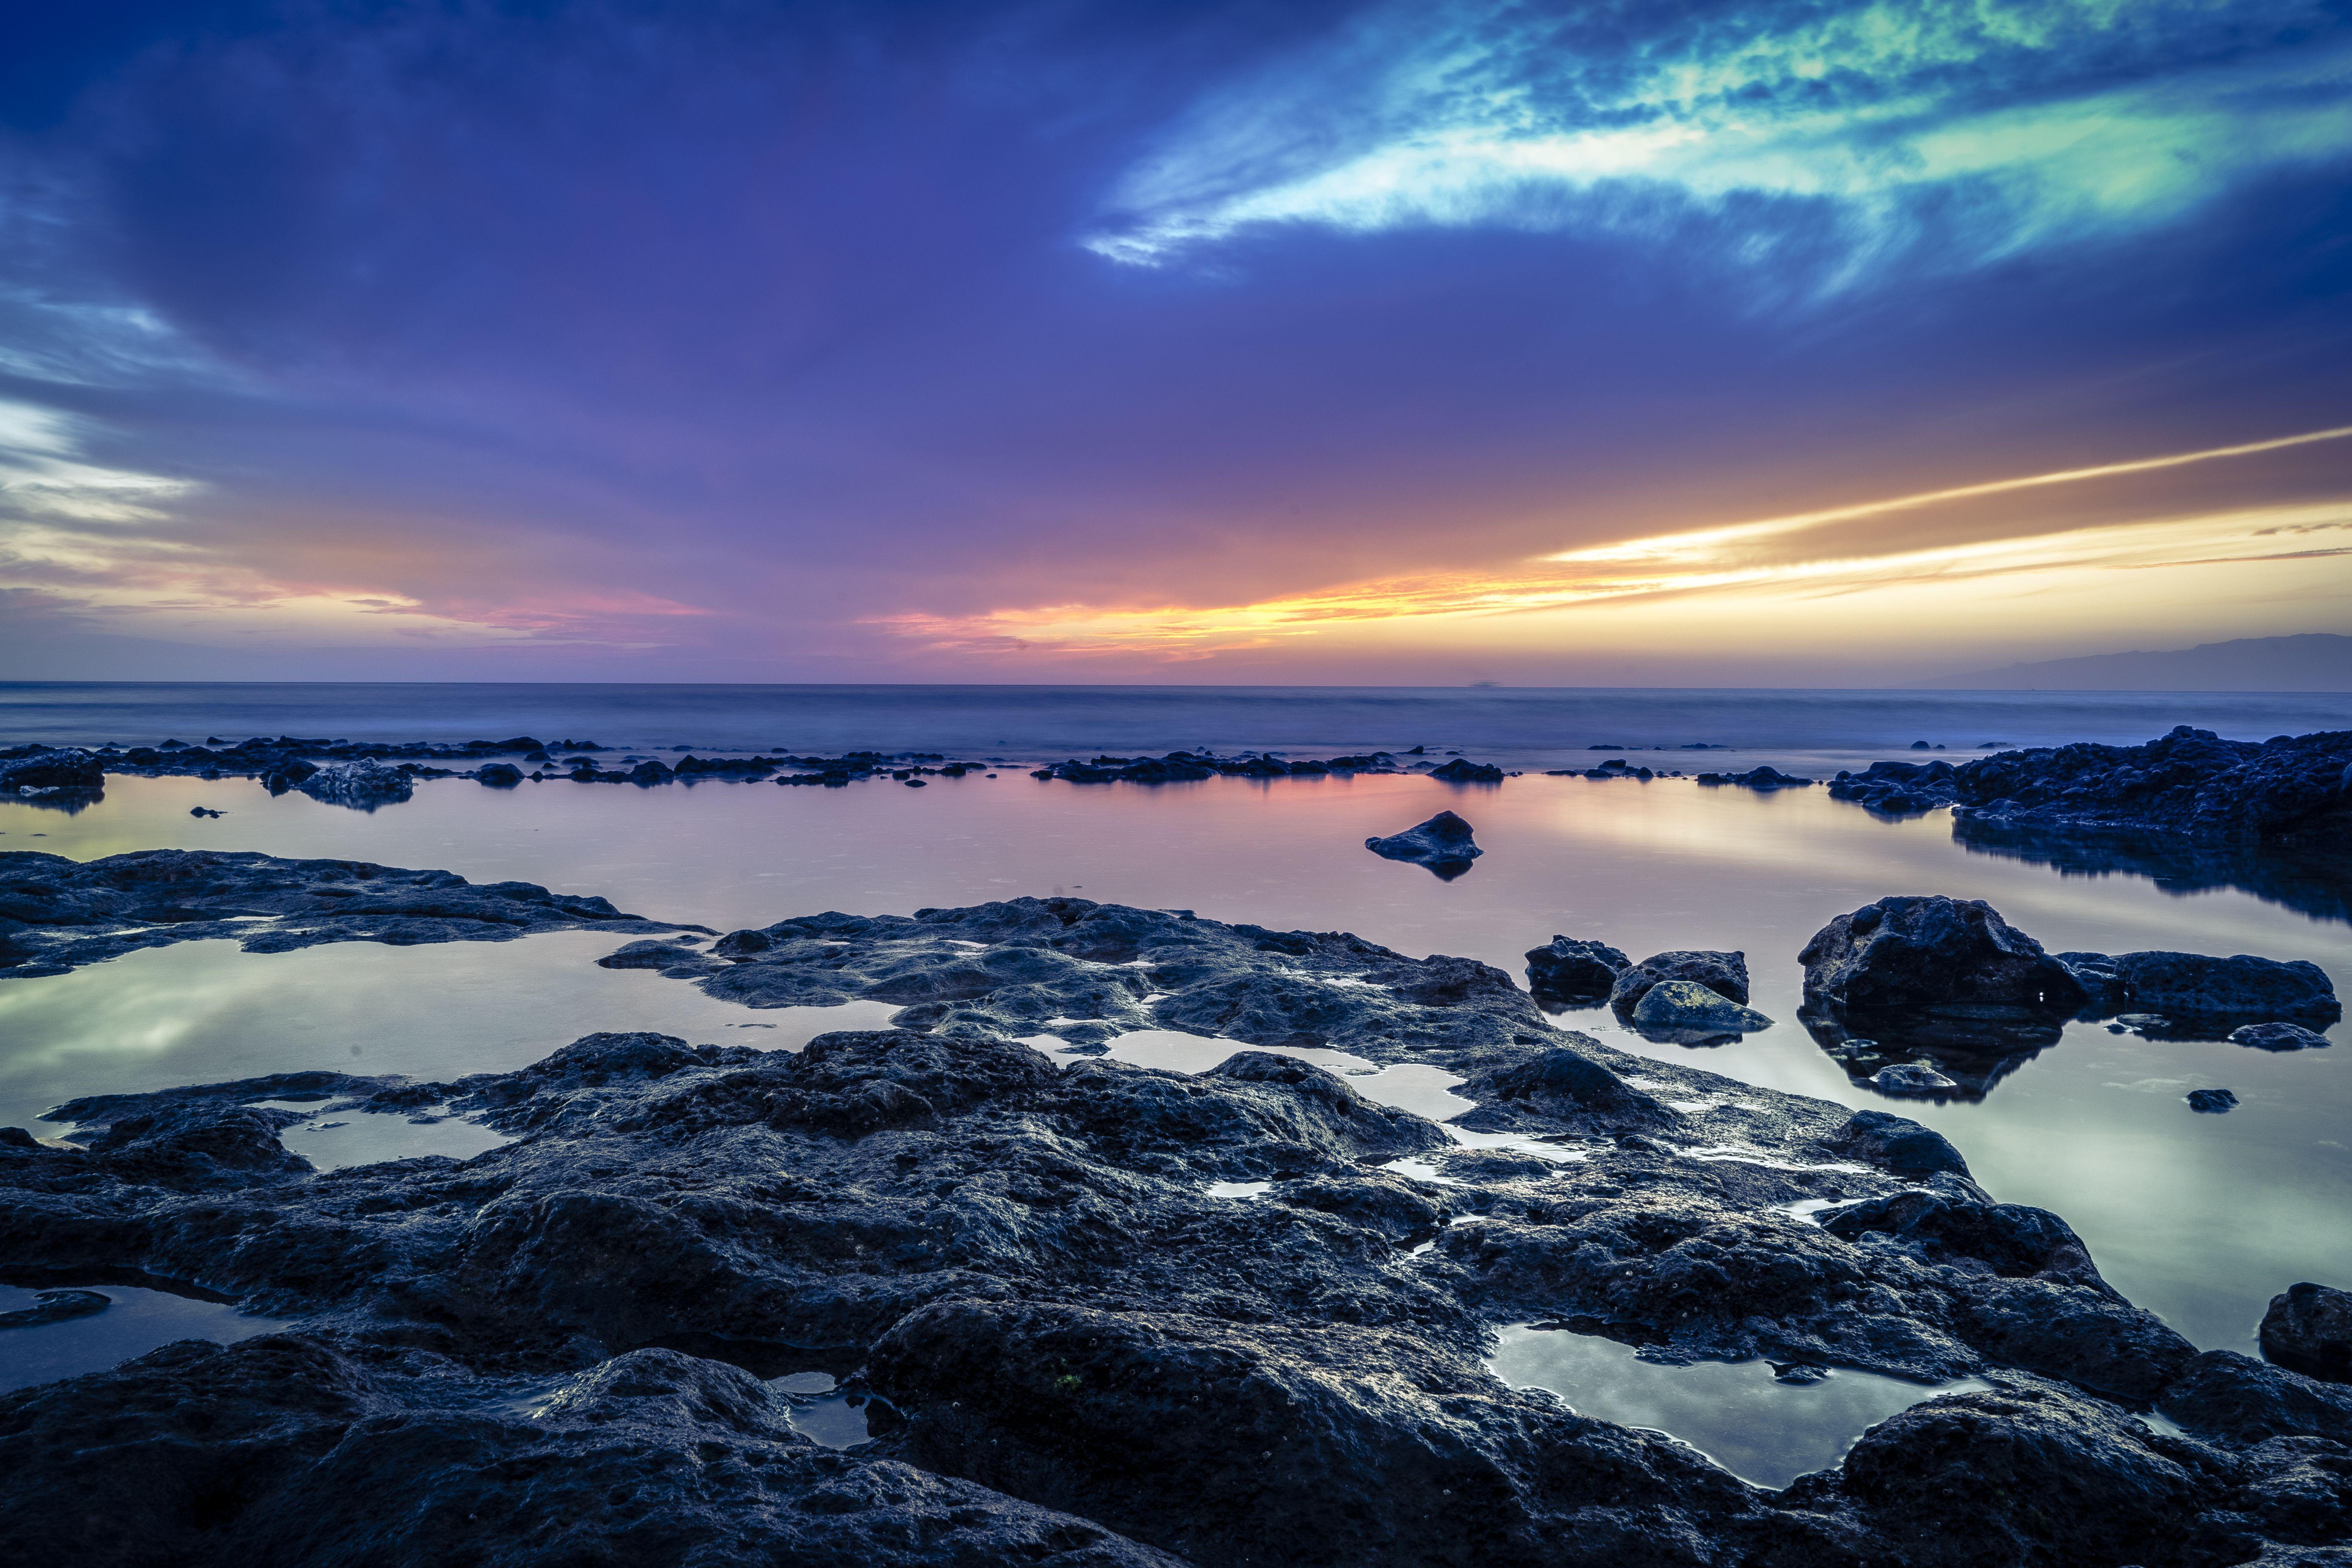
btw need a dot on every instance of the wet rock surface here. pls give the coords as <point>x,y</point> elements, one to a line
<point>2308,1328</point>
<point>2289,790</point>
<point>1936,970</point>
<point>57,914</point>
<point>1072,1351</point>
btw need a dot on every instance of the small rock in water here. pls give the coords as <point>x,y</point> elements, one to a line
<point>1460,771</point>
<point>1570,973</point>
<point>1798,1373</point>
<point>1724,973</point>
<point>2278,1037</point>
<point>365,784</point>
<point>498,775</point>
<point>56,1306</point>
<point>2309,1329</point>
<point>1687,1005</point>
<point>1912,1077</point>
<point>2210,1100</point>
<point>202,811</point>
<point>1442,844</point>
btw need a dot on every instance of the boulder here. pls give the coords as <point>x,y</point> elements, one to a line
<point>1442,844</point>
<point>1907,964</point>
<point>1571,973</point>
<point>1461,771</point>
<point>1685,1006</point>
<point>2211,1100</point>
<point>2309,1330</point>
<point>498,775</point>
<point>2185,986</point>
<point>1724,973</point>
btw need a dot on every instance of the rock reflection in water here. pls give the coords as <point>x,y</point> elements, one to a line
<point>1761,1427</point>
<point>136,1319</point>
<point>2315,884</point>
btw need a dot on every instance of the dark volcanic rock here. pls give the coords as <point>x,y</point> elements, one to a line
<point>1897,788</point>
<point>1442,844</point>
<point>1764,778</point>
<point>1724,973</point>
<point>1461,770</point>
<point>363,784</point>
<point>1935,968</point>
<point>2210,1100</point>
<point>2309,1329</point>
<point>30,770</point>
<point>1573,973</point>
<point>498,775</point>
<point>2289,790</point>
<point>1686,1007</point>
<point>292,1450</point>
<point>56,914</point>
<point>2236,1396</point>
<point>1072,1351</point>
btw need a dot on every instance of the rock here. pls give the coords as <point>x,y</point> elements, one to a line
<point>1685,1006</point>
<point>1724,973</point>
<point>363,784</point>
<point>1763,778</point>
<point>1933,967</point>
<point>2247,1401</point>
<point>1461,771</point>
<point>1442,844</point>
<point>1570,973</point>
<point>1897,1145</point>
<point>2190,989</point>
<point>2309,1329</point>
<point>57,914</point>
<point>2277,1037</point>
<point>2189,782</point>
<point>498,775</point>
<point>1897,788</point>
<point>1920,1076</point>
<point>651,772</point>
<point>56,1306</point>
<point>2210,1100</point>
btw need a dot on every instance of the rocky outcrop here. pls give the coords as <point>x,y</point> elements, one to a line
<point>1571,973</point>
<point>1442,844</point>
<point>2308,1329</point>
<point>1937,969</point>
<point>43,772</point>
<point>57,914</point>
<point>2293,790</point>
<point>1070,1348</point>
<point>1761,778</point>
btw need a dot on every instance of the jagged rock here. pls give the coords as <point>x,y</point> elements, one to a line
<point>1570,973</point>
<point>1724,973</point>
<point>1688,1007</point>
<point>1442,844</point>
<point>2277,1037</point>
<point>2309,1329</point>
<point>1924,967</point>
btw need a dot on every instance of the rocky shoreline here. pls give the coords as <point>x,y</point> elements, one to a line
<point>1069,1346</point>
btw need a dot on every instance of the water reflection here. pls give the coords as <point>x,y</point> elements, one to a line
<point>136,1319</point>
<point>1764,1424</point>
<point>2310,881</point>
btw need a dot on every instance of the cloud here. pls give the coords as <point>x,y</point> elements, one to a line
<point>1952,131</point>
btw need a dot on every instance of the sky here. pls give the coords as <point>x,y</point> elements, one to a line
<point>1792,343</point>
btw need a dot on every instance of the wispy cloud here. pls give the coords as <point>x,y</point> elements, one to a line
<point>1806,553</point>
<point>1990,127</point>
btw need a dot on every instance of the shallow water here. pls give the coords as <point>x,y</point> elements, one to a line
<point>1735,1412</point>
<point>2201,1218</point>
<point>139,1320</point>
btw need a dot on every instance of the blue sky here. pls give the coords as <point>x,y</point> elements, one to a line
<point>1312,343</point>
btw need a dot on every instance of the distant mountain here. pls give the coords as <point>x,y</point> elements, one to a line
<point>2312,661</point>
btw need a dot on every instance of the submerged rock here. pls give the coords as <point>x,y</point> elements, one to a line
<point>56,1306</point>
<point>2277,1037</point>
<point>2308,1329</point>
<point>1442,844</point>
<point>1570,973</point>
